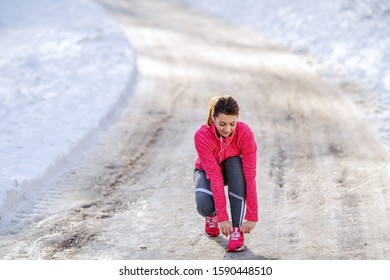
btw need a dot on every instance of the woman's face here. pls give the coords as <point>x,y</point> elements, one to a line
<point>225,124</point>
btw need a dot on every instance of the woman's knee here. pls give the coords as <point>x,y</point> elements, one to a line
<point>233,173</point>
<point>203,194</point>
<point>204,204</point>
<point>233,163</point>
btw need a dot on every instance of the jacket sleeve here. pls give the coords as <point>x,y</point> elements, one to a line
<point>249,161</point>
<point>205,149</point>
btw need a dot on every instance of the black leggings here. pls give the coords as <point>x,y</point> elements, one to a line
<point>234,179</point>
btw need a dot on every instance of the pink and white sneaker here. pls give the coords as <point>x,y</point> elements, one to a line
<point>236,241</point>
<point>211,226</point>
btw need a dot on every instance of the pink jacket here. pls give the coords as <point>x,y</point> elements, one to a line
<point>211,154</point>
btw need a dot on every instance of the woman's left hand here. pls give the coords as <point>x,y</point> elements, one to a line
<point>247,226</point>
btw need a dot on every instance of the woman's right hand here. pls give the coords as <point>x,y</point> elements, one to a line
<point>226,227</point>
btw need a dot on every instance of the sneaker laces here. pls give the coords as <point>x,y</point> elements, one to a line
<point>211,222</point>
<point>235,235</point>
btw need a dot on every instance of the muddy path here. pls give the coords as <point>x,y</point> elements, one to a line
<point>323,175</point>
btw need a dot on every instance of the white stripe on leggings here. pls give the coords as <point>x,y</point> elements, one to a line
<point>236,196</point>
<point>242,212</point>
<point>204,190</point>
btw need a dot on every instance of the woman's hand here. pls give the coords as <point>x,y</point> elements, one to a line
<point>226,227</point>
<point>247,226</point>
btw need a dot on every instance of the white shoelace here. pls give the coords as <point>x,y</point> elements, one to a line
<point>235,235</point>
<point>212,222</point>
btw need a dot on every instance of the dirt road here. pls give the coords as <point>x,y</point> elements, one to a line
<point>323,176</point>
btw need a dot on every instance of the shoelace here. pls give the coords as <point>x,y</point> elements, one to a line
<point>235,235</point>
<point>212,222</point>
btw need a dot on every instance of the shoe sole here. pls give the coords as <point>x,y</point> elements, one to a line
<point>209,235</point>
<point>242,248</point>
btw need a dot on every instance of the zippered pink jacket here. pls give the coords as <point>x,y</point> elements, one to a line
<point>213,150</point>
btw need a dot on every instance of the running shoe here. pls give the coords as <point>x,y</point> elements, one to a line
<point>236,241</point>
<point>211,226</point>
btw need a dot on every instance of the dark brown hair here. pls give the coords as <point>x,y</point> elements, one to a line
<point>222,104</point>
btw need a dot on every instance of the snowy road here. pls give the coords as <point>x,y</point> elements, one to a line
<point>323,179</point>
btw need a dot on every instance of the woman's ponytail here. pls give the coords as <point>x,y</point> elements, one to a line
<point>212,110</point>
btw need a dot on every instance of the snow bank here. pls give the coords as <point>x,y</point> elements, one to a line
<point>65,71</point>
<point>350,36</point>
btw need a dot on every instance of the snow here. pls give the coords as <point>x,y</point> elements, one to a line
<point>65,71</point>
<point>349,36</point>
